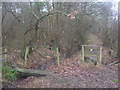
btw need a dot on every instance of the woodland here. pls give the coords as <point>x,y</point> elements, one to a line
<point>59,45</point>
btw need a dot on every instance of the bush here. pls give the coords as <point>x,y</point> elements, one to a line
<point>9,73</point>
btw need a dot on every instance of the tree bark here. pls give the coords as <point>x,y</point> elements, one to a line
<point>30,72</point>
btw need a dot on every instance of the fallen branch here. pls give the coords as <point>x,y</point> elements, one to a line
<point>112,63</point>
<point>35,15</point>
<point>30,72</point>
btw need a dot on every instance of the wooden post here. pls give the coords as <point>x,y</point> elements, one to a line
<point>58,58</point>
<point>5,56</point>
<point>83,53</point>
<point>100,55</point>
<point>26,54</point>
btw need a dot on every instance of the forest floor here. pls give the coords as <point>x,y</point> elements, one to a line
<point>72,73</point>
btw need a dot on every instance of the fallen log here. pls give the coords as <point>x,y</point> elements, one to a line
<point>29,72</point>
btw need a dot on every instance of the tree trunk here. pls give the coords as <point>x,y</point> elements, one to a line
<point>29,72</point>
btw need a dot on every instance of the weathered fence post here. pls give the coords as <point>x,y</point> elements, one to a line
<point>100,55</point>
<point>26,54</point>
<point>83,53</point>
<point>5,56</point>
<point>58,58</point>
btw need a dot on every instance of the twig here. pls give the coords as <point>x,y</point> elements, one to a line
<point>112,63</point>
<point>35,15</point>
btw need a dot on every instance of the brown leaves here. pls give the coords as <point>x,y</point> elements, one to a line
<point>72,15</point>
<point>70,74</point>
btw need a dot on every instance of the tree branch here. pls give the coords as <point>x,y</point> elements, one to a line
<point>35,15</point>
<point>14,16</point>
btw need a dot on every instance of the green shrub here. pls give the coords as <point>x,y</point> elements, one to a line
<point>9,73</point>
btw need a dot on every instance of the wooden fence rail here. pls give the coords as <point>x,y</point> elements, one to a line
<point>91,47</point>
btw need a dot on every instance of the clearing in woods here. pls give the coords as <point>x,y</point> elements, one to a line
<point>73,74</point>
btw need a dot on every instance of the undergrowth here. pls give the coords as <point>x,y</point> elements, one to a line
<point>8,72</point>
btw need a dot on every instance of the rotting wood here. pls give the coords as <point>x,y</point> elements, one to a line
<point>30,72</point>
